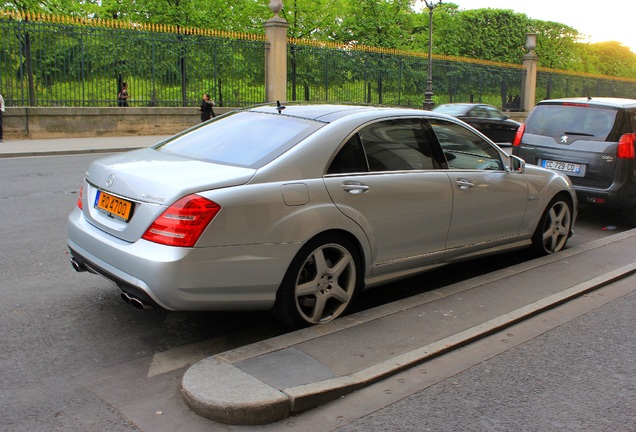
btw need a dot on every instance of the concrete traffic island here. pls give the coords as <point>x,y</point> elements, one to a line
<point>270,380</point>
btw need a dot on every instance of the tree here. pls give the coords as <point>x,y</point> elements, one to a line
<point>595,56</point>
<point>556,45</point>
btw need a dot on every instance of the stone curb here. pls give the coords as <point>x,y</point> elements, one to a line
<point>220,391</point>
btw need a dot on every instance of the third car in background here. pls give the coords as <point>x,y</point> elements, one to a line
<point>485,118</point>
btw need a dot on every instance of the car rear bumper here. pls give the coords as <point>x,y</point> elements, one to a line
<point>244,277</point>
<point>619,196</point>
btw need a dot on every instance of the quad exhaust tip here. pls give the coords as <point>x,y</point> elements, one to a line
<point>77,266</point>
<point>135,302</point>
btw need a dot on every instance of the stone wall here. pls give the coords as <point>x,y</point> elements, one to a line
<point>43,123</point>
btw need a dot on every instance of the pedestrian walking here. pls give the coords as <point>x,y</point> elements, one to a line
<point>122,96</point>
<point>1,112</point>
<point>207,105</point>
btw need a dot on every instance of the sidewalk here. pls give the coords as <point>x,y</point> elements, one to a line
<point>271,380</point>
<point>61,146</point>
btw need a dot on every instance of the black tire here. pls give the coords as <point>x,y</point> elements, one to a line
<point>629,217</point>
<point>320,284</point>
<point>554,228</point>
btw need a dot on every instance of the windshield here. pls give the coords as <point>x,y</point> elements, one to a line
<point>246,139</point>
<point>557,120</point>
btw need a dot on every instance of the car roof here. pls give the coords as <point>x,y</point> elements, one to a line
<point>594,101</point>
<point>328,112</point>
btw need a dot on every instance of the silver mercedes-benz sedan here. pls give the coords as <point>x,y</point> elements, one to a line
<point>298,208</point>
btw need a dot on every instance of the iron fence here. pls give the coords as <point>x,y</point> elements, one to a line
<point>319,72</point>
<point>559,84</point>
<point>48,64</point>
<point>49,61</point>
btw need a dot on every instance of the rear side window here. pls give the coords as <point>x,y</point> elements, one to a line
<point>592,123</point>
<point>396,145</point>
<point>390,145</point>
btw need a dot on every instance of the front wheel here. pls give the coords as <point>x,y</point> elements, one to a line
<point>553,230</point>
<point>320,284</point>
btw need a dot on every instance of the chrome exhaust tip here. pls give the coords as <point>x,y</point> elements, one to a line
<point>77,266</point>
<point>134,301</point>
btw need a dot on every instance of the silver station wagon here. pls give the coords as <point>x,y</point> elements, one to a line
<point>298,208</point>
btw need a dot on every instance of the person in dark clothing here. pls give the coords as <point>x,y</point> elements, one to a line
<point>122,97</point>
<point>207,111</point>
<point>1,111</point>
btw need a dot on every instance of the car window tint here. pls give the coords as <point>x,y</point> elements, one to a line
<point>246,139</point>
<point>395,145</point>
<point>479,111</point>
<point>582,121</point>
<point>350,158</point>
<point>465,150</point>
<point>493,113</point>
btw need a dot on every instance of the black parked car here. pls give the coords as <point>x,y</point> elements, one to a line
<point>485,118</point>
<point>592,141</point>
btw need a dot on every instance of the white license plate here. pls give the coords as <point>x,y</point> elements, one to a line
<point>568,167</point>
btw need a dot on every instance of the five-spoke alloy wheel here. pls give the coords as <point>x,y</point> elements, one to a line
<point>321,282</point>
<point>554,228</point>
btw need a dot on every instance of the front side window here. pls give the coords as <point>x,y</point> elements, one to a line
<point>463,149</point>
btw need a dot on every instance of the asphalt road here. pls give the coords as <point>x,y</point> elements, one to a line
<point>75,358</point>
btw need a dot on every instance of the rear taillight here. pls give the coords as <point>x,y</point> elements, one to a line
<point>518,135</point>
<point>625,148</point>
<point>183,222</point>
<point>79,199</point>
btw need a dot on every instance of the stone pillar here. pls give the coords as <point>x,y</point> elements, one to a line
<point>530,62</point>
<point>276,55</point>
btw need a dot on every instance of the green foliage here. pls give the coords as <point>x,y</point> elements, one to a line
<point>486,34</point>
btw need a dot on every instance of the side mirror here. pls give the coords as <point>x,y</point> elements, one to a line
<point>516,164</point>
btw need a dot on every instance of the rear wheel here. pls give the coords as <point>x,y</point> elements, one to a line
<point>553,230</point>
<point>629,217</point>
<point>320,284</point>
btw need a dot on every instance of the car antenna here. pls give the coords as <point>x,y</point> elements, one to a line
<point>280,107</point>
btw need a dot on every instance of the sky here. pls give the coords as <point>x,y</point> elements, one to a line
<point>600,21</point>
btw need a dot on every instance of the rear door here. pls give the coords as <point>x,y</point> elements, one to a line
<point>386,179</point>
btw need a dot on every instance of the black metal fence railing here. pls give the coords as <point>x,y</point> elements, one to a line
<point>558,84</point>
<point>327,72</point>
<point>48,61</point>
<point>46,64</point>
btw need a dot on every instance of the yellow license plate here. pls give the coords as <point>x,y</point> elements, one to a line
<point>113,206</point>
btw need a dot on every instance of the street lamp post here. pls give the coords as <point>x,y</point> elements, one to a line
<point>428,95</point>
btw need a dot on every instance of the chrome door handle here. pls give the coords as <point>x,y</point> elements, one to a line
<point>464,183</point>
<point>355,188</point>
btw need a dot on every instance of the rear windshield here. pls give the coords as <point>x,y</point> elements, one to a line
<point>585,121</point>
<point>246,139</point>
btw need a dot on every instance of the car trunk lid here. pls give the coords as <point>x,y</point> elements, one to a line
<point>125,193</point>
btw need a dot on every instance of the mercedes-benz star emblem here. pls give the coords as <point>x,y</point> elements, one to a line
<point>110,180</point>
